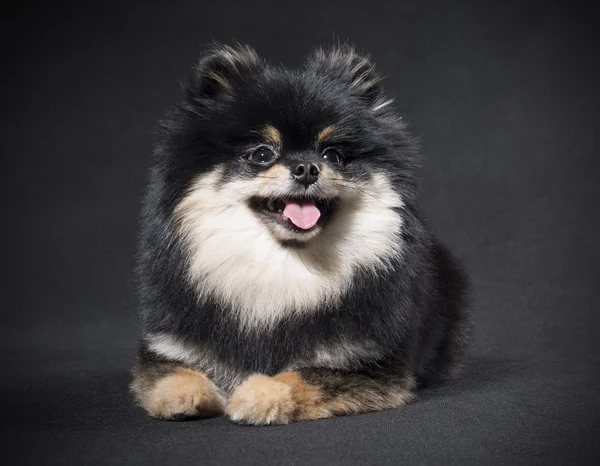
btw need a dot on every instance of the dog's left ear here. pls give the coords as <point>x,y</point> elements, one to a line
<point>219,70</point>
<point>356,70</point>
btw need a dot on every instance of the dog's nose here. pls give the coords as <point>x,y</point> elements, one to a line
<point>305,174</point>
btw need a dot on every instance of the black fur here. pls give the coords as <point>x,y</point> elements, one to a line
<point>415,311</point>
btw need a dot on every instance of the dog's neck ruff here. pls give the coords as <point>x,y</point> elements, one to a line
<point>234,259</point>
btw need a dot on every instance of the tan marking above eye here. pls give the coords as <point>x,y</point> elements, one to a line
<point>324,134</point>
<point>271,135</point>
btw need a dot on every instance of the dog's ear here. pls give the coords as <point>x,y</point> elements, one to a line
<point>219,69</point>
<point>355,69</point>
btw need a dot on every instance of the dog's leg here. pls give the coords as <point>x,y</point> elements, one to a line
<point>313,394</point>
<point>167,390</point>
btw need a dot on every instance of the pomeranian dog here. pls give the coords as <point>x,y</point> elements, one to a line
<point>285,271</point>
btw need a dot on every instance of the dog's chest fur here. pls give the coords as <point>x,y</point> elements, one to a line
<point>233,259</point>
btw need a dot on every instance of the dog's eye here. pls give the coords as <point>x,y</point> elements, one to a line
<point>332,155</point>
<point>262,155</point>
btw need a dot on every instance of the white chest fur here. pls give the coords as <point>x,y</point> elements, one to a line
<point>233,257</point>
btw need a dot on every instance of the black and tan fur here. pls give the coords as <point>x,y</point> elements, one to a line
<point>247,315</point>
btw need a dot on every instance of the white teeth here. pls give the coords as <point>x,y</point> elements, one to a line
<point>271,205</point>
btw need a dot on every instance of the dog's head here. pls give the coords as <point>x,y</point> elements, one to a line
<point>260,160</point>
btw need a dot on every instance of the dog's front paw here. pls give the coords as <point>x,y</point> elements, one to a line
<point>261,400</point>
<point>182,395</point>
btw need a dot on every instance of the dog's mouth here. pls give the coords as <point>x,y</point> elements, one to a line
<point>301,215</point>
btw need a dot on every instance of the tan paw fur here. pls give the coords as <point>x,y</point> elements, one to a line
<point>261,400</point>
<point>183,394</point>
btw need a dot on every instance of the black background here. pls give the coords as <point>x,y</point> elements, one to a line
<point>505,98</point>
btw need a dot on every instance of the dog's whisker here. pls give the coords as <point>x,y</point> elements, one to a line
<point>350,188</point>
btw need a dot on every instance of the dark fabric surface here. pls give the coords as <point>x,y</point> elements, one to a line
<point>505,98</point>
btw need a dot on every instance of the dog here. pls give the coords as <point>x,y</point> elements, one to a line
<point>285,270</point>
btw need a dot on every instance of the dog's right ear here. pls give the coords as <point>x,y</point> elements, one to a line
<point>355,70</point>
<point>219,69</point>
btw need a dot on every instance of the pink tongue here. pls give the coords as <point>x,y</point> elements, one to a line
<point>303,215</point>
